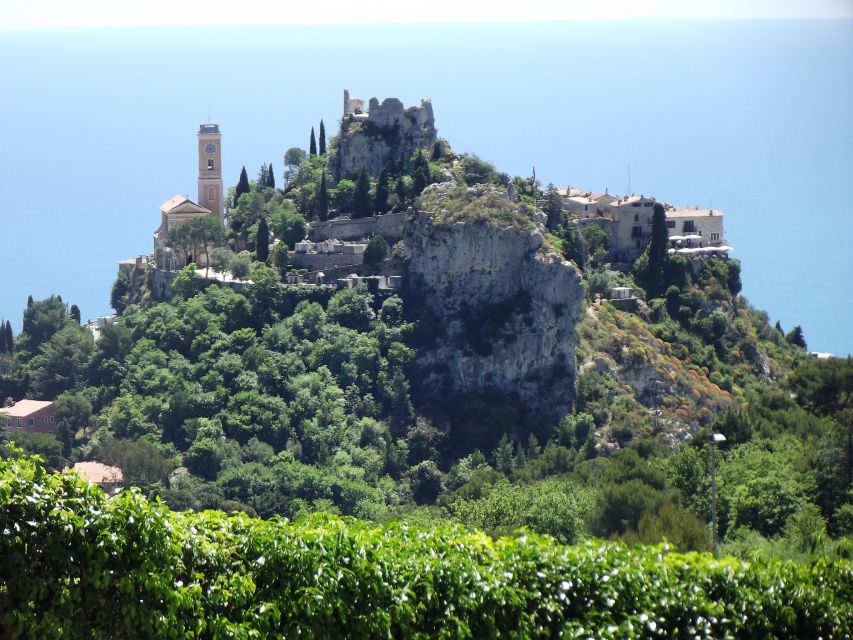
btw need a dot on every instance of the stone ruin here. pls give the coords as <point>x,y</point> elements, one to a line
<point>385,131</point>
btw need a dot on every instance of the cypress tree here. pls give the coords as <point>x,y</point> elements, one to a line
<point>312,147</point>
<point>322,138</point>
<point>10,337</point>
<point>380,201</point>
<point>270,177</point>
<point>242,186</point>
<point>400,190</point>
<point>323,199</point>
<point>420,176</point>
<point>657,252</point>
<point>4,347</point>
<point>361,205</point>
<point>262,240</point>
<point>74,313</point>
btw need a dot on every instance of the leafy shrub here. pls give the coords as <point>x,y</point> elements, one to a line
<point>76,563</point>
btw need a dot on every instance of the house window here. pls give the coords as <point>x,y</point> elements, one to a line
<point>637,232</point>
<point>715,237</point>
<point>45,419</point>
<point>636,204</point>
<point>670,224</point>
<point>689,225</point>
<point>211,193</point>
<point>636,217</point>
<point>31,422</point>
<point>51,418</point>
<point>210,164</point>
<point>648,204</point>
<point>585,207</point>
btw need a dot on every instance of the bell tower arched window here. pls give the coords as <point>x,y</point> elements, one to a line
<point>210,164</point>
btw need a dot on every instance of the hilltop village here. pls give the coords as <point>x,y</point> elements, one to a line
<point>333,250</point>
<point>328,244</point>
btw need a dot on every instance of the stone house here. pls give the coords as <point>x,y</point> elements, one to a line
<point>695,227</point>
<point>32,416</point>
<point>632,229</point>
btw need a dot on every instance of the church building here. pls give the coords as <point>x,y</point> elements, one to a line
<point>180,208</point>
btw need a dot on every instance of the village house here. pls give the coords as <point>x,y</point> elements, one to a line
<point>32,416</point>
<point>628,224</point>
<point>695,227</point>
<point>632,228</point>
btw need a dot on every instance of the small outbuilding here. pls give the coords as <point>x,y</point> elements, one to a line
<point>103,475</point>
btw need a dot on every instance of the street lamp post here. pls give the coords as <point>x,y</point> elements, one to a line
<point>716,439</point>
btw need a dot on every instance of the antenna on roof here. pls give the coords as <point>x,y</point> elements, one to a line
<point>629,177</point>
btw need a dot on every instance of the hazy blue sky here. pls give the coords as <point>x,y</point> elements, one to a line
<point>28,14</point>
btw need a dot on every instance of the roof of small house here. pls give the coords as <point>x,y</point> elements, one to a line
<point>98,472</point>
<point>24,408</point>
<point>582,200</point>
<point>632,199</point>
<point>692,212</point>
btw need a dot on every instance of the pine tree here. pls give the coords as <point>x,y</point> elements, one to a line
<point>312,147</point>
<point>322,138</point>
<point>323,199</point>
<point>270,176</point>
<point>796,337</point>
<point>242,186</point>
<point>263,177</point>
<point>74,313</point>
<point>380,200</point>
<point>262,240</point>
<point>361,205</point>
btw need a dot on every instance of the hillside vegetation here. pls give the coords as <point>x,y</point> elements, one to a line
<point>280,401</point>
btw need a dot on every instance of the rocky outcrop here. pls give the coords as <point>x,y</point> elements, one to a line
<point>387,131</point>
<point>506,309</point>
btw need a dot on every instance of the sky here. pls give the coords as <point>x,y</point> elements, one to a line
<point>41,14</point>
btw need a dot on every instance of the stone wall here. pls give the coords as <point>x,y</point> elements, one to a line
<point>323,261</point>
<point>389,226</point>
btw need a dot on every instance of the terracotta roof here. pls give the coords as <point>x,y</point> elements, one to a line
<point>24,408</point>
<point>97,472</point>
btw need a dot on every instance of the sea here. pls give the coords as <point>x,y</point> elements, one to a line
<point>754,118</point>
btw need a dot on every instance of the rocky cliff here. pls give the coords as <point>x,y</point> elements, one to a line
<point>506,308</point>
<point>387,131</point>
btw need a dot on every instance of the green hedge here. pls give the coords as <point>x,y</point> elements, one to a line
<point>75,562</point>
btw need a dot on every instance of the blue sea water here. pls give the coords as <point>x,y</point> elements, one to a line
<point>97,128</point>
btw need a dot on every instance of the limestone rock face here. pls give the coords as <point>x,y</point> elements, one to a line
<point>387,131</point>
<point>507,307</point>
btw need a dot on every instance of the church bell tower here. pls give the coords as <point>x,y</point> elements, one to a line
<point>210,168</point>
